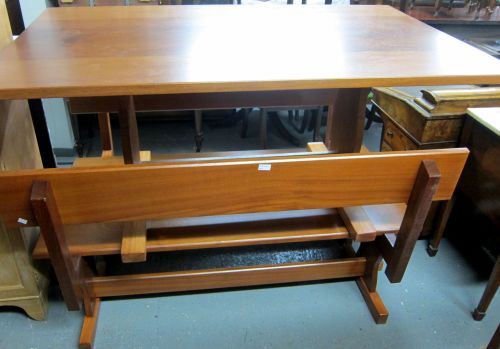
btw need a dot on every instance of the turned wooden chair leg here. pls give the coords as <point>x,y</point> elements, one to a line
<point>489,292</point>
<point>367,284</point>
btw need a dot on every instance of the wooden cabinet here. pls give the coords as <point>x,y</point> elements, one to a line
<point>21,284</point>
<point>428,118</point>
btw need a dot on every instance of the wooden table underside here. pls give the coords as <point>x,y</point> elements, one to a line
<point>344,130</point>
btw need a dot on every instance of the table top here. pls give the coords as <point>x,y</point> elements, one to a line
<point>488,117</point>
<point>107,51</point>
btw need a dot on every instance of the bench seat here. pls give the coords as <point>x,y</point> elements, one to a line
<point>224,231</point>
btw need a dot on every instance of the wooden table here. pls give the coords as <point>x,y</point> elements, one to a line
<point>200,57</point>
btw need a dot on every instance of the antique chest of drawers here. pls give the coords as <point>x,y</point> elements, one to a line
<point>428,117</point>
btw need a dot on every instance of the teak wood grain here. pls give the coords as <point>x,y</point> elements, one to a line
<point>419,203</point>
<point>225,277</point>
<point>46,211</point>
<point>358,223</point>
<point>201,189</point>
<point>110,51</point>
<point>133,248</point>
<point>206,232</point>
<point>89,327</point>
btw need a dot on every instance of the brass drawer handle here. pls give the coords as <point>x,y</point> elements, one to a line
<point>390,133</point>
<point>67,1</point>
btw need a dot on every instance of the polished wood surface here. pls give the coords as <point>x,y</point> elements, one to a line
<point>46,211</point>
<point>419,203</point>
<point>214,188</point>
<point>104,51</point>
<point>107,286</point>
<point>89,327</point>
<point>294,180</point>
<point>113,161</point>
<point>133,247</point>
<point>207,232</point>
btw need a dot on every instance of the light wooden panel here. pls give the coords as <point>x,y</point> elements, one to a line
<point>71,52</point>
<point>133,247</point>
<point>152,191</point>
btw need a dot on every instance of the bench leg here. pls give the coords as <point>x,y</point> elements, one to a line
<point>374,303</point>
<point>90,323</point>
<point>367,284</point>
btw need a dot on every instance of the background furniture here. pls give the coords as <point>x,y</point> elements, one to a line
<point>21,284</point>
<point>428,118</point>
<point>479,192</point>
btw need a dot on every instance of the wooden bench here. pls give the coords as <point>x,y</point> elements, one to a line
<point>134,210</point>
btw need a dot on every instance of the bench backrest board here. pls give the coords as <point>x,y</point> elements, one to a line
<point>203,188</point>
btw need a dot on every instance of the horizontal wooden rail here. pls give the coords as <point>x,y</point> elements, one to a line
<point>218,100</point>
<point>109,286</point>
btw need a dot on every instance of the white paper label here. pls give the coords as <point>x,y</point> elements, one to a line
<point>264,167</point>
<point>22,221</point>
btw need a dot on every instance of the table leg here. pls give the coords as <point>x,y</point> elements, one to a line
<point>489,292</point>
<point>42,133</point>
<point>198,137</point>
<point>317,125</point>
<point>263,128</point>
<point>128,130</point>
<point>495,340</point>
<point>346,116</point>
<point>442,220</point>
<point>105,132</point>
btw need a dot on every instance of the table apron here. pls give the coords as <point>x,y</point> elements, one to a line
<point>216,100</point>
